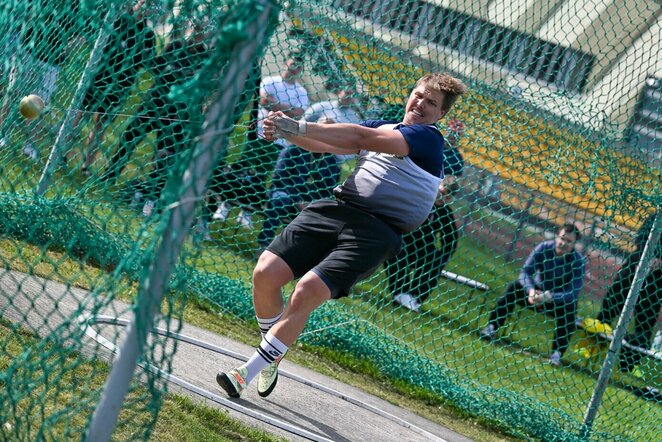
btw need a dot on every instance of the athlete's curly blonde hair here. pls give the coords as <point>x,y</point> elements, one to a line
<point>448,85</point>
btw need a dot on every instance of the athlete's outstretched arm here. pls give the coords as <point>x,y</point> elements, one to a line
<point>343,138</point>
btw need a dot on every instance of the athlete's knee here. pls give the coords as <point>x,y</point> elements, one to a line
<point>310,292</point>
<point>271,271</point>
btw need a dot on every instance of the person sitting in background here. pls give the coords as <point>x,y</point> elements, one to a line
<point>419,255</point>
<point>284,93</point>
<point>342,110</point>
<point>224,183</point>
<point>647,308</point>
<point>550,281</point>
<point>657,343</point>
<point>300,176</point>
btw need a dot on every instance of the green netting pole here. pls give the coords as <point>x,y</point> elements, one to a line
<point>76,101</point>
<point>624,320</point>
<point>217,128</point>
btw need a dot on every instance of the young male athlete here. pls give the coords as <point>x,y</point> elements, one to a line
<point>332,244</point>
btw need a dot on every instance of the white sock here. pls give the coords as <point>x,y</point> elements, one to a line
<point>265,324</point>
<point>270,350</point>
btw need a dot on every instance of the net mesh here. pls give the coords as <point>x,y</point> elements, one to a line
<point>562,124</point>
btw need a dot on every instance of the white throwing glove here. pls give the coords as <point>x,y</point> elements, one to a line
<point>288,126</point>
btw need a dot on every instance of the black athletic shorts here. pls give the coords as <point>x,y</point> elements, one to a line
<point>340,243</point>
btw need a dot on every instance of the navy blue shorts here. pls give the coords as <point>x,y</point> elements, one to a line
<point>340,243</point>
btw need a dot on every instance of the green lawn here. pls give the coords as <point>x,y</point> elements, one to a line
<point>445,332</point>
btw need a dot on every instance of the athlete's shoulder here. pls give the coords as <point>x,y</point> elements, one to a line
<point>377,123</point>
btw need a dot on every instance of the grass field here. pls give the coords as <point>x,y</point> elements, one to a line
<point>445,332</point>
<point>183,419</point>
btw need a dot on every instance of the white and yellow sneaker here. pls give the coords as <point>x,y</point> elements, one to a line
<point>233,382</point>
<point>266,381</point>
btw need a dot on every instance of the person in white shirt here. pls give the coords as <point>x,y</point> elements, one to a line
<point>342,110</point>
<point>284,93</point>
<point>243,183</point>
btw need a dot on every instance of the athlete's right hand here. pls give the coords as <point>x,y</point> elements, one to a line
<point>269,125</point>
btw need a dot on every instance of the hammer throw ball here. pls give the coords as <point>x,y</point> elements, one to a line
<point>31,106</point>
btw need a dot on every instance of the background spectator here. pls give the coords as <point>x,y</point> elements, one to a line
<point>244,182</point>
<point>415,271</point>
<point>176,121</point>
<point>647,308</point>
<point>550,281</point>
<point>342,110</point>
<point>131,46</point>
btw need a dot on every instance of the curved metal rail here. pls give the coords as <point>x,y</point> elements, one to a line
<point>87,320</point>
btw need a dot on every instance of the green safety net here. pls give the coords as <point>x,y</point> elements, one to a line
<point>142,148</point>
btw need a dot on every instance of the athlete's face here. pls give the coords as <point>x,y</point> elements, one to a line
<point>423,106</point>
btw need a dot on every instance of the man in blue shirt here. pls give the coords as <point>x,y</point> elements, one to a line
<point>332,244</point>
<point>550,281</point>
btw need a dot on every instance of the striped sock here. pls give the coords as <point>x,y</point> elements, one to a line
<point>265,324</point>
<point>270,350</point>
